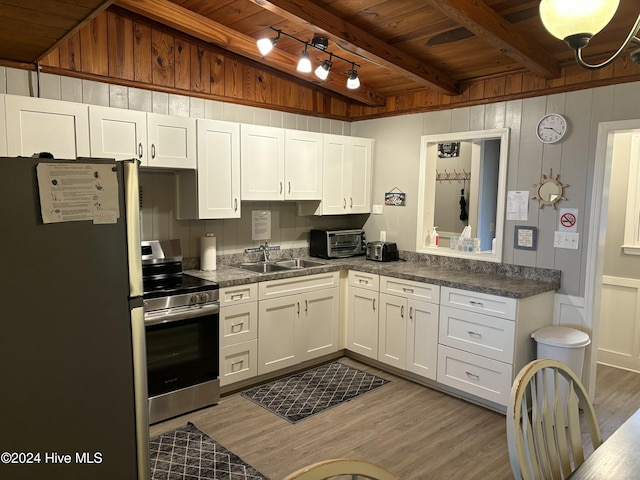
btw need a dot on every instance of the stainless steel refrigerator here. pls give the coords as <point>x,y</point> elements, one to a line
<point>73,393</point>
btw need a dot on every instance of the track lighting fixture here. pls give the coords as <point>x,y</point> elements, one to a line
<point>577,21</point>
<point>353,81</point>
<point>322,72</point>
<point>265,45</point>
<point>304,64</point>
<point>320,43</point>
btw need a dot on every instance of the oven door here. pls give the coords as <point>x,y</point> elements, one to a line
<point>182,348</point>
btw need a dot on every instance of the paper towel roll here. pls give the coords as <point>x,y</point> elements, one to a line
<point>208,252</point>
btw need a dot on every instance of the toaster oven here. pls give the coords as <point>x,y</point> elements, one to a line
<point>337,243</point>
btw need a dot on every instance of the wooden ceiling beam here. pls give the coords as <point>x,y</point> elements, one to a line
<point>482,20</point>
<point>190,23</point>
<point>306,12</point>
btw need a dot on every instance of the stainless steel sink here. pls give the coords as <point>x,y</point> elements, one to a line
<point>262,267</point>
<point>299,263</point>
<point>278,266</point>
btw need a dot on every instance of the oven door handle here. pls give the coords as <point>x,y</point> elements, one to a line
<point>183,314</point>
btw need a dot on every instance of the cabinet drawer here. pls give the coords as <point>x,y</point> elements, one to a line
<point>238,294</point>
<point>410,289</point>
<point>479,302</point>
<point>291,286</point>
<point>238,362</point>
<point>480,376</point>
<point>238,323</point>
<point>370,281</point>
<point>484,335</point>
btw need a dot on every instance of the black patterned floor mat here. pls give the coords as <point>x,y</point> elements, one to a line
<point>304,394</point>
<point>187,453</point>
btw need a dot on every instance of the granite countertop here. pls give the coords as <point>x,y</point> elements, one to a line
<point>491,283</point>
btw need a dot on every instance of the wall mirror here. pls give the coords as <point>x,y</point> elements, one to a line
<point>550,190</point>
<point>466,189</point>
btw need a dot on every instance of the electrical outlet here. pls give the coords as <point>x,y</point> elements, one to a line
<point>568,240</point>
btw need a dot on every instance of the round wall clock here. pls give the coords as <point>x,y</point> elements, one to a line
<point>551,128</point>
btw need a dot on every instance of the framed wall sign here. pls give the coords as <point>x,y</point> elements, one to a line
<point>525,238</point>
<point>395,198</point>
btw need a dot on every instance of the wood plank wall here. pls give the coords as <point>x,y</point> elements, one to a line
<point>122,48</point>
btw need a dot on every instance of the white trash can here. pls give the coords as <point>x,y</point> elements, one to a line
<point>564,344</point>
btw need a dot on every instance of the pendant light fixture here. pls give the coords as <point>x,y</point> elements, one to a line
<point>320,43</point>
<point>577,21</point>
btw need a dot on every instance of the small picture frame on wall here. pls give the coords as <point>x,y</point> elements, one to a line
<point>525,237</point>
<point>448,150</point>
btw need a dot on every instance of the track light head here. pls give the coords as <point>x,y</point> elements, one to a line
<point>265,45</point>
<point>353,81</point>
<point>304,64</point>
<point>322,72</point>
<point>320,42</point>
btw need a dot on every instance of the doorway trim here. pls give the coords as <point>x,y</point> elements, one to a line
<point>597,231</point>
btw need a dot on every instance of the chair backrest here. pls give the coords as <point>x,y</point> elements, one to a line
<point>544,433</point>
<point>358,469</point>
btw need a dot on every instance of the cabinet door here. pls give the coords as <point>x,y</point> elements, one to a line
<point>3,128</point>
<point>37,125</point>
<point>362,322</point>
<point>118,133</point>
<point>392,330</point>
<point>262,162</point>
<point>319,323</point>
<point>422,338</point>
<point>335,175</point>
<point>277,333</point>
<point>303,165</point>
<point>171,141</point>
<point>361,154</point>
<point>218,169</point>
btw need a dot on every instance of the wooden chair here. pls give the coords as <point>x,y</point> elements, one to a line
<point>544,432</point>
<point>338,467</point>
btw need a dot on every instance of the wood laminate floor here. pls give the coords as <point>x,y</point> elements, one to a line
<point>413,431</point>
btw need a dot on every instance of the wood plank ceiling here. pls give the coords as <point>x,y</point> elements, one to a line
<point>400,45</point>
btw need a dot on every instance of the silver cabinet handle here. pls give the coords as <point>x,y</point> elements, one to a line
<point>235,364</point>
<point>140,150</point>
<point>344,203</point>
<point>476,304</point>
<point>306,306</point>
<point>374,304</point>
<point>237,296</point>
<point>411,313</point>
<point>289,186</point>
<point>474,334</point>
<point>237,325</point>
<point>350,202</point>
<point>235,204</point>
<point>402,311</point>
<point>298,303</point>
<point>475,376</point>
<point>366,282</point>
<point>407,290</point>
<point>280,187</point>
<point>153,150</point>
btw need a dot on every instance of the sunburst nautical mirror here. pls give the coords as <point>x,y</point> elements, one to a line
<point>549,191</point>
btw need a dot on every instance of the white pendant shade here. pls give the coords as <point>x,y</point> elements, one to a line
<point>304,64</point>
<point>563,18</point>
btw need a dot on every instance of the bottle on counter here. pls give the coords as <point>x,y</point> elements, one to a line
<point>434,238</point>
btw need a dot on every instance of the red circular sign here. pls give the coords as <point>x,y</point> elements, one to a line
<point>568,220</point>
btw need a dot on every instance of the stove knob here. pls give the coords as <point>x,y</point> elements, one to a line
<point>194,298</point>
<point>204,297</point>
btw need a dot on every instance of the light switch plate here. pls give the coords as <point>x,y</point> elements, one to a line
<point>568,240</point>
<point>377,210</point>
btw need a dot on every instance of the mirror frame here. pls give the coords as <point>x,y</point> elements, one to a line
<point>426,197</point>
<point>545,181</point>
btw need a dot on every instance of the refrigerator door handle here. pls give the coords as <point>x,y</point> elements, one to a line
<point>141,394</point>
<point>132,215</point>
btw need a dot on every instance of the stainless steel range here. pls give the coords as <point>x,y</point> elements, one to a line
<point>181,315</point>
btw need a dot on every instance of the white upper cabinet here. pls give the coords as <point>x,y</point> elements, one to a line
<point>262,162</point>
<point>214,190</point>
<point>280,164</point>
<point>347,164</point>
<point>157,140</point>
<point>37,125</point>
<point>3,128</point>
<point>303,165</point>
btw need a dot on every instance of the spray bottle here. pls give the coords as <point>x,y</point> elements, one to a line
<point>434,238</point>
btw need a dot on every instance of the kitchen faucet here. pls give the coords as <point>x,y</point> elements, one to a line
<point>265,250</point>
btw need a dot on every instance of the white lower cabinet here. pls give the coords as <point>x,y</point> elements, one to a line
<point>408,328</point>
<point>484,340</point>
<point>238,333</point>
<point>362,316</point>
<point>298,320</point>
